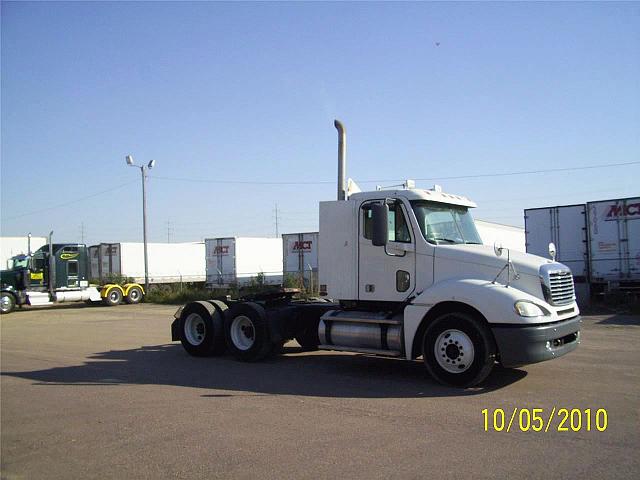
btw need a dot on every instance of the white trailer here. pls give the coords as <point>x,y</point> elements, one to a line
<point>408,277</point>
<point>12,246</point>
<point>508,236</point>
<point>168,262</point>
<point>300,258</point>
<point>239,260</point>
<point>614,240</point>
<point>564,226</point>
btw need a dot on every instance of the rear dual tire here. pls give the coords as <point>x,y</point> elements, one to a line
<point>247,332</point>
<point>202,328</point>
<point>134,295</point>
<point>113,297</point>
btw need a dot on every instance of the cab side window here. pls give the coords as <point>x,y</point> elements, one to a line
<point>398,227</point>
<point>37,263</point>
<point>367,222</point>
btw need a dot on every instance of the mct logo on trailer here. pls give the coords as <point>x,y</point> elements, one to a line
<point>614,240</point>
<point>625,210</point>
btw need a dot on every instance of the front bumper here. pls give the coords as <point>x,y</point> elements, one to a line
<point>524,344</point>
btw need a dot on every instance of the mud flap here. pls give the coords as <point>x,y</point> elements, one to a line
<point>175,330</point>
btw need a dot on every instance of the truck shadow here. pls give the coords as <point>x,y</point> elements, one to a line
<point>61,306</point>
<point>319,374</point>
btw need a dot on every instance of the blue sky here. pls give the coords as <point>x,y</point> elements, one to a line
<point>248,92</point>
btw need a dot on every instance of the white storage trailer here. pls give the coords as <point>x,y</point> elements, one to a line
<point>300,257</point>
<point>509,236</point>
<point>614,240</point>
<point>12,246</point>
<point>237,260</point>
<point>168,262</point>
<point>565,227</point>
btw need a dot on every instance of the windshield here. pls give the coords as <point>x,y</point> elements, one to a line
<point>18,262</point>
<point>445,224</point>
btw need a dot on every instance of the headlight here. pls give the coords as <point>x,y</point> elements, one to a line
<point>525,308</point>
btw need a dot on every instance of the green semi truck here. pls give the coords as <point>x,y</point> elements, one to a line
<point>57,273</point>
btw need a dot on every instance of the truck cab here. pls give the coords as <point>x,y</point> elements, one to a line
<point>416,255</point>
<point>405,275</point>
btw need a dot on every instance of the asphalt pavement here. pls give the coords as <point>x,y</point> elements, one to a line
<point>98,392</point>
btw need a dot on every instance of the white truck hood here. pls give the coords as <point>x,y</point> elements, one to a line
<point>484,255</point>
<point>481,262</point>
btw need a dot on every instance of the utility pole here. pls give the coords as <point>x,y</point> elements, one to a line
<point>276,220</point>
<point>82,232</point>
<point>169,231</point>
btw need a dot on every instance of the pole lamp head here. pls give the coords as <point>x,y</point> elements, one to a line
<point>129,159</point>
<point>151,164</point>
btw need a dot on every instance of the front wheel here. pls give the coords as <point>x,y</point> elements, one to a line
<point>7,302</point>
<point>458,350</point>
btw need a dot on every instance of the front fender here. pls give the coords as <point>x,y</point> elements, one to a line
<point>493,300</point>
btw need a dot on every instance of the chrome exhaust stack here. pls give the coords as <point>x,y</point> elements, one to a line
<point>342,159</point>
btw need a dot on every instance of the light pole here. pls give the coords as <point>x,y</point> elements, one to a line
<point>143,171</point>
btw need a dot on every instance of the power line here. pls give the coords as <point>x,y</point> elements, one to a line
<point>53,207</point>
<point>455,177</point>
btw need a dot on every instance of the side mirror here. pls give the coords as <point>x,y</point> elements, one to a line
<point>380,217</point>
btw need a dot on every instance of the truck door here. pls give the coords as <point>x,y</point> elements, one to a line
<point>38,265</point>
<point>386,273</point>
<point>72,273</point>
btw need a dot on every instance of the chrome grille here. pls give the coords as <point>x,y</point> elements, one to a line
<point>557,284</point>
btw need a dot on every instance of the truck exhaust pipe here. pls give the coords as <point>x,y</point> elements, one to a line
<point>342,159</point>
<point>52,268</point>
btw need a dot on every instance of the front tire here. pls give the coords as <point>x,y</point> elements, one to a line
<point>201,330</point>
<point>247,332</point>
<point>7,302</point>
<point>458,350</point>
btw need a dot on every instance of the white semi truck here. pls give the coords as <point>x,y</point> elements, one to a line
<point>408,277</point>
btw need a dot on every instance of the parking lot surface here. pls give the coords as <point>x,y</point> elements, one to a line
<point>92,392</point>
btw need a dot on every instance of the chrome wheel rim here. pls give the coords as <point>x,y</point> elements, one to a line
<point>5,303</point>
<point>454,351</point>
<point>195,329</point>
<point>242,332</point>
